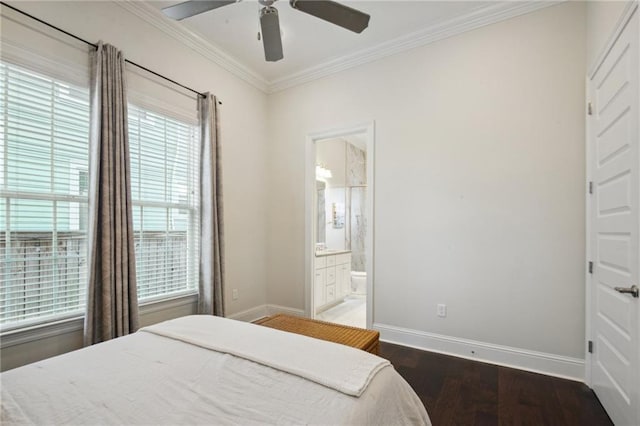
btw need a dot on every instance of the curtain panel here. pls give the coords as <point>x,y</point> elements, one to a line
<point>211,266</point>
<point>112,303</point>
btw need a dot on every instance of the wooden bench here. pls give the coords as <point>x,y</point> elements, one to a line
<point>360,338</point>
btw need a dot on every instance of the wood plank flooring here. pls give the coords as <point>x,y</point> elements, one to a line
<point>457,391</point>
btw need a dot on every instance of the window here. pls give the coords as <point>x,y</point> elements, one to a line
<point>164,183</point>
<point>44,133</point>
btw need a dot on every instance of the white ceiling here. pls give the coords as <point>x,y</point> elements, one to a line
<point>309,42</point>
<point>312,46</point>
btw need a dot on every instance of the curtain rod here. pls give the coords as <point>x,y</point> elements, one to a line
<point>96,46</point>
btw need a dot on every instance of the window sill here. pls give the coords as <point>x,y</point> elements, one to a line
<point>71,325</point>
<point>19,336</point>
<point>160,304</point>
<point>148,307</point>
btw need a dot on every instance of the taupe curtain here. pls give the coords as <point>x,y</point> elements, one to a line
<point>211,299</point>
<point>112,303</point>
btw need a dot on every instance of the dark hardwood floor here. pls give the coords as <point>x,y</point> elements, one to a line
<point>457,391</point>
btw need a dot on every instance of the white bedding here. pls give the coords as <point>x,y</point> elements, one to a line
<point>340,367</point>
<point>146,378</point>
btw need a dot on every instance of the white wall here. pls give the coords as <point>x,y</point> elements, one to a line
<point>479,181</point>
<point>602,16</point>
<point>244,138</point>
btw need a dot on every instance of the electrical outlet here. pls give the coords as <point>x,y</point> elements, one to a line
<point>234,294</point>
<point>442,310</point>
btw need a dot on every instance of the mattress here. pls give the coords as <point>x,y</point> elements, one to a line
<point>209,370</point>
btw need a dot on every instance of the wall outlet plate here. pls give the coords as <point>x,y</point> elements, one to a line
<point>234,294</point>
<point>442,310</point>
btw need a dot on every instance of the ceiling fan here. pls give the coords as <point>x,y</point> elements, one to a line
<point>330,11</point>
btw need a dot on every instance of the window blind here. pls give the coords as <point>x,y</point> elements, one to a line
<point>37,47</point>
<point>44,133</point>
<point>164,180</point>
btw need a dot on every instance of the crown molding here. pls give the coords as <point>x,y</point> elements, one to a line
<point>195,42</point>
<point>439,31</point>
<point>475,19</point>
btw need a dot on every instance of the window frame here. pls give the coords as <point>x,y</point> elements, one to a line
<point>191,204</point>
<point>58,323</point>
<point>53,196</point>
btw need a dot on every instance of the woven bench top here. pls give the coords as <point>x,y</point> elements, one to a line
<point>360,338</point>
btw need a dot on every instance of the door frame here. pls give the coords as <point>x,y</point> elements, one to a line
<point>367,128</point>
<point>626,15</point>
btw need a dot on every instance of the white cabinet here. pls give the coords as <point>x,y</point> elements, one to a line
<point>331,293</point>
<point>319,285</point>
<point>343,273</point>
<point>331,275</point>
<point>344,279</point>
<point>332,280</point>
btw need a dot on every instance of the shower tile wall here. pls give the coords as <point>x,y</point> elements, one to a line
<point>357,181</point>
<point>356,166</point>
<point>358,224</point>
<point>322,218</point>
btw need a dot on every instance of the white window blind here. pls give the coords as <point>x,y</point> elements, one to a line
<point>164,180</point>
<point>44,132</point>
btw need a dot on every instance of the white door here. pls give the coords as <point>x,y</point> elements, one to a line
<point>614,225</point>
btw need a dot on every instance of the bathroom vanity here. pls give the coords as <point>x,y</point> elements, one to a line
<point>332,282</point>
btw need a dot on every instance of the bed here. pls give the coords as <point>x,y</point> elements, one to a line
<point>209,370</point>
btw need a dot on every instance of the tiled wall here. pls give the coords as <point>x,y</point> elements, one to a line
<point>357,198</point>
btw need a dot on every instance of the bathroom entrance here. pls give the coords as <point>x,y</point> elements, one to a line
<point>341,208</point>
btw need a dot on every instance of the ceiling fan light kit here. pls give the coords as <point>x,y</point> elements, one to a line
<point>330,11</point>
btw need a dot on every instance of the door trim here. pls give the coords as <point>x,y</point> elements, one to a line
<point>310,209</point>
<point>624,19</point>
<point>587,236</point>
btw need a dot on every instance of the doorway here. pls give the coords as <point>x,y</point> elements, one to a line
<point>339,225</point>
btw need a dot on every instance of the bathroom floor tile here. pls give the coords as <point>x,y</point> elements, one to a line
<point>353,312</point>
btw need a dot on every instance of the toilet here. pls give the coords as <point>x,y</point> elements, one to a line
<point>358,283</point>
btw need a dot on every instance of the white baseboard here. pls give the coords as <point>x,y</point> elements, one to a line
<point>262,311</point>
<point>522,359</point>
<point>250,315</point>
<point>277,309</point>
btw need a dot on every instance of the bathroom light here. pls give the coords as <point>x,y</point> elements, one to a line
<point>323,173</point>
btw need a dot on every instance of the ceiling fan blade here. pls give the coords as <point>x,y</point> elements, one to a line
<point>271,38</point>
<point>334,12</point>
<point>194,7</point>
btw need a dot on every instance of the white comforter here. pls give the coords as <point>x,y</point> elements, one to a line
<point>171,374</point>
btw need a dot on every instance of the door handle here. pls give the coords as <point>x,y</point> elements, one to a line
<point>633,290</point>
